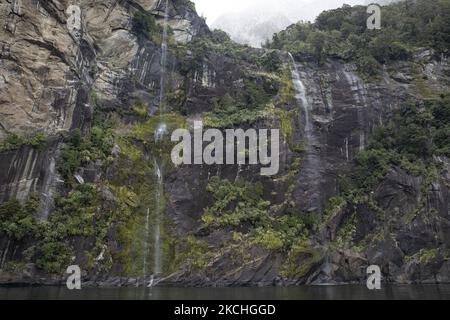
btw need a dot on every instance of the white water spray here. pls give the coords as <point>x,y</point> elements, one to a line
<point>359,92</point>
<point>312,164</point>
<point>146,238</point>
<point>160,132</point>
<point>301,95</point>
<point>157,230</point>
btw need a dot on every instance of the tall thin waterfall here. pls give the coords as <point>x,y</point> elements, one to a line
<point>47,190</point>
<point>157,229</point>
<point>301,95</point>
<point>311,179</point>
<point>359,92</point>
<point>311,168</point>
<point>146,240</point>
<point>158,168</point>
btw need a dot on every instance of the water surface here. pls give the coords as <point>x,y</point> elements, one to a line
<point>407,292</point>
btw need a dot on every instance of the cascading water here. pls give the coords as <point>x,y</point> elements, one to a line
<point>48,190</point>
<point>157,230</point>
<point>4,255</point>
<point>146,240</point>
<point>358,89</point>
<point>301,95</point>
<point>347,152</point>
<point>311,167</point>
<point>160,132</point>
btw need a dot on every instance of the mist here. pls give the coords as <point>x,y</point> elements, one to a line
<point>293,9</point>
<point>253,22</point>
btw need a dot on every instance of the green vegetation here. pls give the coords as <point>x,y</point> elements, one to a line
<point>250,104</point>
<point>265,93</point>
<point>14,142</point>
<point>235,203</point>
<point>18,221</point>
<point>218,42</point>
<point>80,148</point>
<point>416,133</point>
<point>76,215</point>
<point>195,253</point>
<point>144,132</point>
<point>335,205</point>
<point>343,33</point>
<point>137,196</point>
<point>424,256</point>
<point>86,214</point>
<point>228,114</point>
<point>144,25</point>
<point>53,257</point>
<point>346,234</point>
<point>140,109</point>
<point>301,260</point>
<point>252,99</point>
<point>241,207</point>
<point>287,119</point>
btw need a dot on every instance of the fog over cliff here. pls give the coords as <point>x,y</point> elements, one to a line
<point>254,21</point>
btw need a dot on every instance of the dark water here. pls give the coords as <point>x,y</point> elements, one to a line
<point>408,292</point>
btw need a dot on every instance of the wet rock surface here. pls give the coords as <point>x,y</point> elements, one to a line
<point>46,79</point>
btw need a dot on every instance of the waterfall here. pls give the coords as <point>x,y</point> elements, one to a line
<point>5,254</point>
<point>359,92</point>
<point>159,134</point>
<point>157,230</point>
<point>311,168</point>
<point>362,140</point>
<point>311,175</point>
<point>146,238</point>
<point>347,153</point>
<point>50,180</point>
<point>301,95</point>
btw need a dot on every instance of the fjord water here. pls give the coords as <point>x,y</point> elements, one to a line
<point>350,292</point>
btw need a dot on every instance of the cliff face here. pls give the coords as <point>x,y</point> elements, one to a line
<point>95,95</point>
<point>53,77</point>
<point>401,225</point>
<point>49,71</point>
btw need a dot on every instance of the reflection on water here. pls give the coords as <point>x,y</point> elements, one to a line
<point>408,292</point>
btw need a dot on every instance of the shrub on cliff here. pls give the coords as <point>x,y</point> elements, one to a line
<point>18,220</point>
<point>144,25</point>
<point>14,142</point>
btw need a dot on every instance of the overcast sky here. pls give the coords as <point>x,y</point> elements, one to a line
<point>295,9</point>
